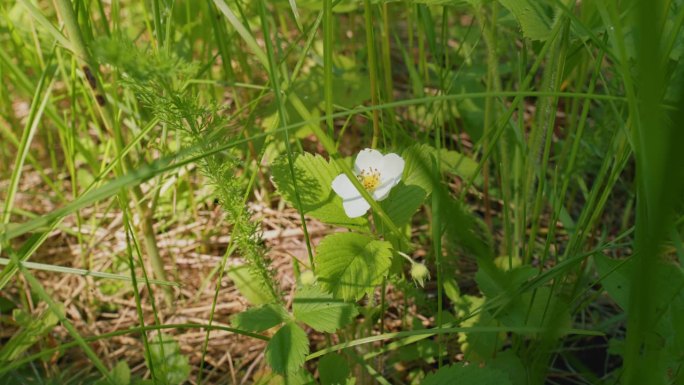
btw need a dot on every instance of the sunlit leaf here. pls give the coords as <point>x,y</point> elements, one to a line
<point>535,23</point>
<point>320,310</point>
<point>287,349</point>
<point>260,318</point>
<point>350,265</point>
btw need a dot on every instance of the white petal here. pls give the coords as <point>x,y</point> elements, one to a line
<point>383,190</point>
<point>368,158</point>
<point>344,187</point>
<point>391,168</point>
<point>355,208</point>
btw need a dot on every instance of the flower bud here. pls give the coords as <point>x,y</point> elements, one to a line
<point>307,278</point>
<point>419,273</point>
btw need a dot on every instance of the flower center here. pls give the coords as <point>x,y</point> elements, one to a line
<point>369,178</point>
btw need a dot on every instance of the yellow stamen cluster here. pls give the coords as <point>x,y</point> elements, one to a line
<point>369,178</point>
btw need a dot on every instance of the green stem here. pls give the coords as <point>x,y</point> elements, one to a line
<point>328,63</point>
<point>372,65</point>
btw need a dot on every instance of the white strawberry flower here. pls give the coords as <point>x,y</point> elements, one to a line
<point>377,173</point>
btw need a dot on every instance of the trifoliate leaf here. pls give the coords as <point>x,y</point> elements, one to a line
<point>350,265</point>
<point>471,374</point>
<point>314,176</point>
<point>287,349</point>
<point>320,310</point>
<point>260,318</point>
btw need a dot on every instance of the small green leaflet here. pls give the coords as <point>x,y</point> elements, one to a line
<point>287,349</point>
<point>320,310</point>
<point>350,265</point>
<point>314,176</point>
<point>260,318</point>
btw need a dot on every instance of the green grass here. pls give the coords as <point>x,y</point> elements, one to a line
<point>543,189</point>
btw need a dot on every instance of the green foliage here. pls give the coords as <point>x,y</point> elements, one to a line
<point>120,375</point>
<point>169,366</point>
<point>532,17</point>
<point>615,278</point>
<point>161,89</point>
<point>260,318</point>
<point>465,231</point>
<point>333,369</point>
<point>350,265</point>
<point>477,347</point>
<point>314,177</point>
<point>287,349</point>
<point>470,374</point>
<point>171,86</point>
<point>403,202</point>
<point>320,310</point>
<point>33,329</point>
<point>421,160</point>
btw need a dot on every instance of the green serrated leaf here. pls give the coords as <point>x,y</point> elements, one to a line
<point>350,265</point>
<point>420,162</point>
<point>616,278</point>
<point>333,369</point>
<point>418,168</point>
<point>535,23</point>
<point>542,309</point>
<point>260,318</point>
<point>170,366</point>
<point>465,230</point>
<point>249,286</point>
<point>471,374</point>
<point>403,202</point>
<point>287,349</point>
<point>34,328</point>
<point>120,375</point>
<point>314,177</point>
<point>509,363</point>
<point>456,163</point>
<point>320,310</point>
<point>477,347</point>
